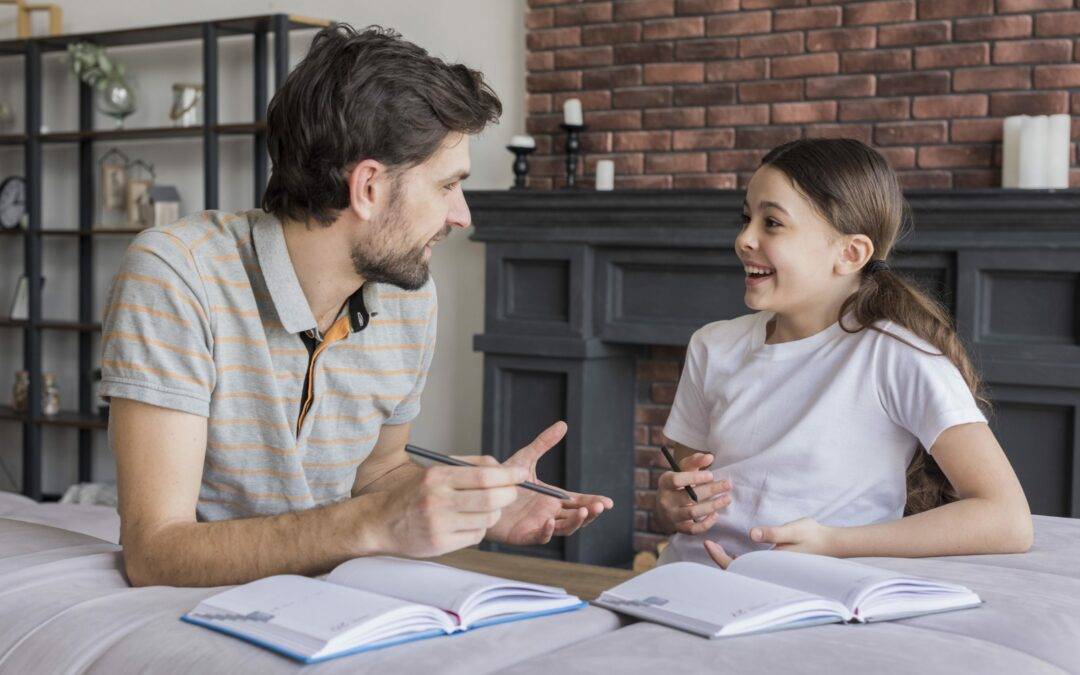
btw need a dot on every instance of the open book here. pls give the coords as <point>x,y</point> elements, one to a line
<point>774,590</point>
<point>370,603</point>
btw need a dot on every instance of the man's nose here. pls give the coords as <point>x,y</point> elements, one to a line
<point>459,215</point>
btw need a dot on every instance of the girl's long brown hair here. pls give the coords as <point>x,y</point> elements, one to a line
<point>854,188</point>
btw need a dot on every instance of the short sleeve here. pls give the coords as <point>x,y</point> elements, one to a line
<point>688,422</point>
<point>157,343</point>
<point>924,392</point>
<point>409,407</point>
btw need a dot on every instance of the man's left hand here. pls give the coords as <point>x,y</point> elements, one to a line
<point>534,518</point>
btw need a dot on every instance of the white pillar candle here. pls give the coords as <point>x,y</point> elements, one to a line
<point>522,141</point>
<point>1057,151</point>
<point>1032,152</point>
<point>1010,151</point>
<point>571,110</point>
<point>605,175</point>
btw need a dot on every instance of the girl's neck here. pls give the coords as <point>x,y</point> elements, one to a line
<point>806,320</point>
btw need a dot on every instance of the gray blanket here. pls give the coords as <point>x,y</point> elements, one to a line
<point>65,607</point>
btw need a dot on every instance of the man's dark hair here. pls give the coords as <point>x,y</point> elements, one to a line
<point>363,95</point>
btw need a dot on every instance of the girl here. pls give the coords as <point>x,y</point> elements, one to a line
<point>845,402</point>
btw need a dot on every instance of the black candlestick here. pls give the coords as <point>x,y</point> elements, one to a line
<point>572,147</point>
<point>521,165</point>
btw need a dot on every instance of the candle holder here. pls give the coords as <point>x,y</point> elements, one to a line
<point>521,164</point>
<point>573,145</point>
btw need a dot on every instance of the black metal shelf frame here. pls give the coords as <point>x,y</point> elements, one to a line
<point>259,28</point>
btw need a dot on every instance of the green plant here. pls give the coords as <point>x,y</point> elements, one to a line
<point>91,65</point>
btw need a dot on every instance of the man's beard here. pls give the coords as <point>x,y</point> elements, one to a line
<point>407,270</point>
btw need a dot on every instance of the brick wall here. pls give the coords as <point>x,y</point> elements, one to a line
<point>691,93</point>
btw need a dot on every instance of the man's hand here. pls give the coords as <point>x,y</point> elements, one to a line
<point>804,535</point>
<point>534,518</point>
<point>441,509</point>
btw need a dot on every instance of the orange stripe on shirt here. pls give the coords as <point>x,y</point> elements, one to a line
<point>140,309</point>
<point>142,339</point>
<point>127,365</point>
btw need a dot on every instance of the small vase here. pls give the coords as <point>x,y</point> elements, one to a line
<point>50,395</point>
<point>20,391</point>
<point>116,99</point>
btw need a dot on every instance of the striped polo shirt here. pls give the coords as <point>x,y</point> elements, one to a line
<point>207,316</point>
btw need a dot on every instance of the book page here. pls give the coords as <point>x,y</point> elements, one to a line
<point>430,583</point>
<point>840,580</point>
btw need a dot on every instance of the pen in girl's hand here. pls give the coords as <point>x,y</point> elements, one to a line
<point>675,467</point>
<point>453,461</point>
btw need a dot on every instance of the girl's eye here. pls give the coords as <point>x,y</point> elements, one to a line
<point>745,219</point>
<point>772,222</point>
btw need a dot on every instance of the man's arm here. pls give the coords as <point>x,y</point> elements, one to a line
<point>159,455</point>
<point>388,464</point>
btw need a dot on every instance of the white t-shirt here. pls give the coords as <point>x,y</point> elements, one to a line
<point>822,427</point>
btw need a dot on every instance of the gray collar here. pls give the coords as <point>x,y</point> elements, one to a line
<point>280,276</point>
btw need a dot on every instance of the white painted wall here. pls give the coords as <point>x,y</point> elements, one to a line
<point>485,34</point>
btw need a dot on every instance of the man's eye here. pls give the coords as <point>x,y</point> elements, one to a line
<point>450,187</point>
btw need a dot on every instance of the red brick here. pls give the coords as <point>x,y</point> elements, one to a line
<point>976,178</point>
<point>666,73</point>
<point>961,105</point>
<point>771,45</point>
<point>643,9</point>
<point>675,162</point>
<point>765,137</point>
<point>705,6</point>
<point>899,84</point>
<point>533,4</point>
<point>627,164</point>
<point>642,97</point>
<point>1008,6</point>
<point>647,542</point>
<point>612,33</point>
<point>1057,77</point>
<point>875,109</point>
<point>948,9</point>
<point>538,103</point>
<point>899,158</point>
<point>860,132</point>
<point>876,61</point>
<point>1058,23</point>
<point>619,76</point>
<point>909,34</point>
<point>669,29</point>
<point>673,118</point>
<point>992,28</point>
<point>740,23</point>
<point>543,124</point>
<point>945,156</point>
<point>706,50</point>
<point>770,91</point>
<point>810,17</point>
<point>920,180</point>
<point>987,79</point>
<point>641,437</point>
<point>825,63</point>
<point>646,52</point>
<point>1074,103</point>
<point>709,181</point>
<point>609,120</point>
<point>644,500</point>
<point>590,100</point>
<point>952,56</point>
<point>702,139</point>
<point>536,61</point>
<point>969,131</point>
<point>726,115</point>
<point>839,39</point>
<point>596,141</point>
<point>555,81</point>
<point>734,160</point>
<point>583,57</point>
<point>910,133</point>
<point>627,141</point>
<point>642,182</point>
<point>1003,104</point>
<point>1033,51</point>
<point>886,11</point>
<point>539,18</point>
<point>574,15</point>
<point>844,86</point>
<point>734,70</point>
<point>705,94</point>
<point>555,37</point>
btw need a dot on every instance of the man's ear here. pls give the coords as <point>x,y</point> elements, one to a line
<point>856,251</point>
<point>368,188</point>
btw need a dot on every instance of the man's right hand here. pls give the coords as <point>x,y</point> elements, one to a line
<point>444,508</point>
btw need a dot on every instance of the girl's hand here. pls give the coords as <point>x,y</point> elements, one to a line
<point>804,535</point>
<point>674,507</point>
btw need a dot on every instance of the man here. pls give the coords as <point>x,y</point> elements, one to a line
<point>263,367</point>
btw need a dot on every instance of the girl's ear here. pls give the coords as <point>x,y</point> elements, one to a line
<point>856,251</point>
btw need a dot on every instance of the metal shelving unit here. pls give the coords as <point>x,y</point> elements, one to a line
<point>85,418</point>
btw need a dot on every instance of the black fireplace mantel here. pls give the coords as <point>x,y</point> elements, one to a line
<point>576,281</point>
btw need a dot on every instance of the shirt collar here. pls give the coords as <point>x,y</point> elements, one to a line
<point>289,301</point>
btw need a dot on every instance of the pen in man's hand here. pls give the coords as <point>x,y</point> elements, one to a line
<point>675,467</point>
<point>453,461</point>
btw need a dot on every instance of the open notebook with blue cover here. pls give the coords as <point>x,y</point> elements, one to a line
<point>370,603</point>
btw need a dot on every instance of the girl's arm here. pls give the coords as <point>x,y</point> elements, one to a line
<point>991,516</point>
